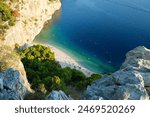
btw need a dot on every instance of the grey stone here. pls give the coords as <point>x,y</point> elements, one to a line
<point>9,59</point>
<point>11,85</point>
<point>58,95</point>
<point>119,86</point>
<point>130,92</point>
<point>26,45</point>
<point>127,77</point>
<point>1,83</point>
<point>128,83</point>
<point>138,59</point>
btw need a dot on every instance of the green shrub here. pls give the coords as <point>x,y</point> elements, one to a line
<point>77,75</point>
<point>41,88</point>
<point>66,74</point>
<point>92,78</point>
<point>40,66</point>
<point>6,14</point>
<point>39,52</point>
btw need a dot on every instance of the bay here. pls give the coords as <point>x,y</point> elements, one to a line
<point>98,33</point>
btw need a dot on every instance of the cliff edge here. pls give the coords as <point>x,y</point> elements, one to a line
<point>30,18</point>
<point>131,82</point>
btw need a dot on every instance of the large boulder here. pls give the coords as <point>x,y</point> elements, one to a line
<point>58,95</point>
<point>11,85</point>
<point>121,85</point>
<point>138,59</point>
<point>128,83</point>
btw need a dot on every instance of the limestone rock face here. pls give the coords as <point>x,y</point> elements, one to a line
<point>138,59</point>
<point>9,59</point>
<point>33,15</point>
<point>128,83</point>
<point>58,95</point>
<point>122,85</point>
<point>11,85</point>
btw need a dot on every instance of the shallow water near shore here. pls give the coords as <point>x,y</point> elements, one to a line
<point>98,33</point>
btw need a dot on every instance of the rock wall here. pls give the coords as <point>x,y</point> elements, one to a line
<point>138,60</point>
<point>30,21</point>
<point>128,83</point>
<point>11,85</point>
<point>33,15</point>
<point>9,59</point>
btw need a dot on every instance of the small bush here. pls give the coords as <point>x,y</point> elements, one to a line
<point>77,75</point>
<point>92,78</point>
<point>6,14</point>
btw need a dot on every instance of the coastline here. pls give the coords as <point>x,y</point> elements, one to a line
<point>32,16</point>
<point>66,61</point>
<point>29,24</point>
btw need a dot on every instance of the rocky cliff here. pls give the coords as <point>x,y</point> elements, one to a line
<point>131,82</point>
<point>128,83</point>
<point>32,16</point>
<point>12,85</point>
<point>9,59</point>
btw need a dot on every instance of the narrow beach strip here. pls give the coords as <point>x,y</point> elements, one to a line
<point>65,60</point>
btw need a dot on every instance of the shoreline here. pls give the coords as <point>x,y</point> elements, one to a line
<point>65,60</point>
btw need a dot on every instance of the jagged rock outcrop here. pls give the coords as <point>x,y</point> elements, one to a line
<point>138,60</point>
<point>58,95</point>
<point>11,85</point>
<point>128,83</point>
<point>10,59</point>
<point>33,15</point>
<point>122,85</point>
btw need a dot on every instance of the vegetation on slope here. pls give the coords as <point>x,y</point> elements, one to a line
<point>45,74</point>
<point>7,18</point>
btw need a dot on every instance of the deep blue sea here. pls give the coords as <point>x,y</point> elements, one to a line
<point>98,33</point>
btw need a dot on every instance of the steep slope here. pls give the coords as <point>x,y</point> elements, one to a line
<point>31,16</point>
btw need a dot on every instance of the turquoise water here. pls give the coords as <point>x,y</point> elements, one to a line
<point>51,36</point>
<point>98,33</point>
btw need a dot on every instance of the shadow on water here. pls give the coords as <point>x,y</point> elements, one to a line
<point>44,34</point>
<point>55,18</point>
